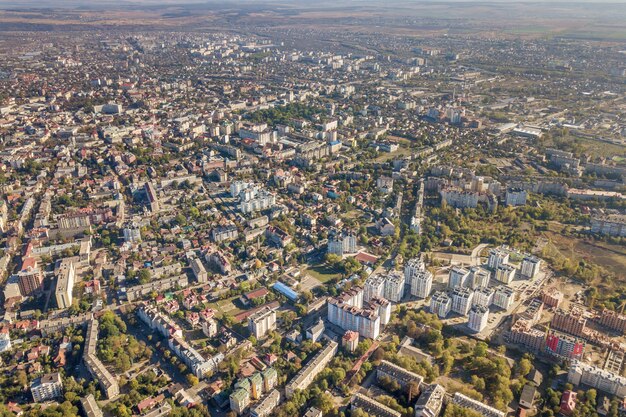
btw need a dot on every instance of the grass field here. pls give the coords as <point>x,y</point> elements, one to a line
<point>611,257</point>
<point>225,307</point>
<point>322,273</point>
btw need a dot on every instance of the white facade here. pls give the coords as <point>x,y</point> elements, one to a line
<point>505,273</point>
<point>421,284</point>
<point>440,304</point>
<point>483,297</point>
<point>530,267</point>
<point>47,387</point>
<point>65,284</point>
<point>504,297</point>
<point>478,318</point>
<point>601,379</point>
<point>497,257</point>
<point>480,277</point>
<point>261,322</point>
<point>459,277</point>
<point>394,287</point>
<point>462,300</point>
<point>374,287</point>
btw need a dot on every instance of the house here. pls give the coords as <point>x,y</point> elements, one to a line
<point>527,397</point>
<point>568,403</point>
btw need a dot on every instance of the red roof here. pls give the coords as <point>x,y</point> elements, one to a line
<point>261,292</point>
<point>366,258</point>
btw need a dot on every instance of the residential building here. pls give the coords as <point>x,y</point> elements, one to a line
<point>239,400</point>
<point>47,387</point>
<point>462,300</point>
<point>612,225</point>
<point>530,267</point>
<point>158,286</point>
<point>399,375</point>
<point>504,297</point>
<point>497,257</point>
<point>483,297</point>
<point>265,407</point>
<point>505,274</point>
<point>478,318</point>
<point>199,271</point>
<point>552,297</point>
<point>412,267</point>
<point>440,304</point>
<point>350,340</point>
<point>421,284</point>
<point>564,346</point>
<point>598,378</point>
<point>430,402</point>
<point>5,340</point>
<point>515,197</point>
<point>313,412</point>
<point>374,287</point>
<point>90,406</point>
<point>65,284</point>
<point>108,383</point>
<point>475,405</point>
<point>572,321</point>
<point>522,333</point>
<point>372,407</point>
<point>262,321</point>
<point>394,286</point>
<point>30,279</point>
<point>459,277</point>
<point>307,373</point>
<point>479,277</point>
<point>341,243</point>
<point>316,331</point>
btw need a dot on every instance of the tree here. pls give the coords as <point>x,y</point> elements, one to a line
<point>144,276</point>
<point>192,380</point>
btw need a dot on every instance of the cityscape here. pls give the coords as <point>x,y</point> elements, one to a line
<point>293,209</point>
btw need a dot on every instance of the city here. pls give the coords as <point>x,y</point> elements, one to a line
<point>293,210</point>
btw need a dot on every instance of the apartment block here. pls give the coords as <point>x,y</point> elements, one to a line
<point>265,407</point>
<point>372,407</point>
<point>398,374</point>
<point>483,297</point>
<point>497,257</point>
<point>459,277</point>
<point>504,297</point>
<point>261,322</point>
<point>479,277</point>
<point>440,304</point>
<point>47,387</point>
<point>478,318</point>
<point>531,265</point>
<point>475,405</point>
<point>462,300</point>
<point>421,284</point>
<point>107,382</point>
<point>430,402</point>
<point>307,373</point>
<point>199,271</point>
<point>600,379</point>
<point>572,321</point>
<point>65,283</point>
<point>505,274</point>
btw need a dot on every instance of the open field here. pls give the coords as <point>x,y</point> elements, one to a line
<point>322,273</point>
<point>611,257</point>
